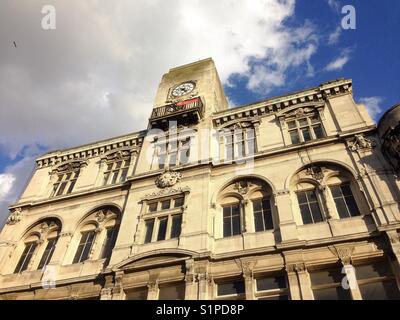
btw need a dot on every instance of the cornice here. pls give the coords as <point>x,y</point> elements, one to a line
<point>87,151</point>
<point>317,95</point>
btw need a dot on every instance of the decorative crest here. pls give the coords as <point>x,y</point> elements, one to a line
<point>168,179</point>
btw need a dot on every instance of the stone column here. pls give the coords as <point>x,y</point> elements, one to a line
<point>204,283</point>
<point>304,282</point>
<point>118,292</point>
<point>350,282</point>
<point>288,227</point>
<point>249,285</point>
<point>191,287</point>
<point>294,287</point>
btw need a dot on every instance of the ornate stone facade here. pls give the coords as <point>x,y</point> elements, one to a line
<point>260,198</point>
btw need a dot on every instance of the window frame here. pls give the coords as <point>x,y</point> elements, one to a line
<point>263,212</point>
<point>238,296</point>
<point>343,197</point>
<point>231,142</point>
<point>67,180</point>
<point>298,128</point>
<point>230,205</point>
<point>318,201</point>
<point>169,150</point>
<point>119,171</point>
<point>50,253</point>
<point>272,292</point>
<point>92,242</point>
<point>23,262</point>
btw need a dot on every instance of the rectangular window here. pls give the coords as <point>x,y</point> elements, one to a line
<point>137,294</point>
<point>65,183</point>
<point>48,253</point>
<point>376,281</point>
<point>231,223</point>
<point>149,230</point>
<point>172,291</point>
<point>116,172</point>
<point>346,205</point>
<point>240,143</point>
<point>309,207</point>
<point>272,288</point>
<point>305,129</point>
<point>233,289</point>
<point>174,153</point>
<point>153,207</point>
<point>85,246</point>
<point>262,215</point>
<point>26,257</point>
<point>327,285</point>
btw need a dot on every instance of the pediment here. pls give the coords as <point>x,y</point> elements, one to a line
<point>155,259</point>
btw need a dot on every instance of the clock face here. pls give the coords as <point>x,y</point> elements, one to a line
<point>183,89</point>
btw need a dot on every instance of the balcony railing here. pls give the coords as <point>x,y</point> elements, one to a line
<point>183,112</point>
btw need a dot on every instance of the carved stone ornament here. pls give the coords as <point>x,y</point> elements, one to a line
<point>343,253</point>
<point>15,217</point>
<point>168,179</point>
<point>70,167</point>
<point>299,112</point>
<point>242,187</point>
<point>118,155</point>
<point>360,143</point>
<point>101,215</point>
<point>166,192</point>
<point>316,173</point>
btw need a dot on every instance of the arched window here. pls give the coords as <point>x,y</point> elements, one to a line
<point>326,191</point>
<point>96,235</point>
<point>246,205</point>
<point>40,242</point>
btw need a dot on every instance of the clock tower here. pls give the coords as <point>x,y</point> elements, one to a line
<point>188,95</point>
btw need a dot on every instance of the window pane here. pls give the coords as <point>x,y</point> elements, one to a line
<point>318,132</point>
<point>161,161</point>
<point>302,198</point>
<point>153,207</point>
<point>291,124</point>
<point>306,214</point>
<point>337,293</point>
<point>166,204</point>
<point>184,156</point>
<point>172,292</point>
<point>230,288</point>
<point>84,247</point>
<point>303,122</point>
<point>105,179</point>
<point>109,243</point>
<point>48,253</point>
<point>294,137</point>
<point>306,134</point>
<point>269,225</point>
<point>172,159</point>
<point>258,221</point>
<point>149,230</point>
<point>257,205</point>
<point>236,225</point>
<point>346,190</point>
<point>382,290</point>
<point>312,196</point>
<point>71,186</point>
<point>178,202</point>
<point>271,283</point>
<point>314,119</point>
<point>114,177</point>
<point>336,191</point>
<point>227,222</point>
<point>62,188</point>
<point>176,226</point>
<point>118,165</point>
<point>341,208</point>
<point>162,229</point>
<point>316,212</point>
<point>123,175</point>
<point>352,206</point>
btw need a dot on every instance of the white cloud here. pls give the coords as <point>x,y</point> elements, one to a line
<point>96,75</point>
<point>339,62</point>
<point>373,105</point>
<point>6,182</point>
<point>334,36</point>
<point>334,5</point>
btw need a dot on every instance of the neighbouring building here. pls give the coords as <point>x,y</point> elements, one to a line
<point>294,197</point>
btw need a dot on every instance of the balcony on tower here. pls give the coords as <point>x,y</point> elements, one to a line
<point>185,112</point>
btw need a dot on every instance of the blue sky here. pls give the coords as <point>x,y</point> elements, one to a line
<point>95,76</point>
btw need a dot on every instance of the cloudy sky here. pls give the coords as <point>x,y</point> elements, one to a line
<point>96,74</point>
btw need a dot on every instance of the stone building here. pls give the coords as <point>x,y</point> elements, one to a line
<point>294,197</point>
